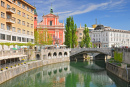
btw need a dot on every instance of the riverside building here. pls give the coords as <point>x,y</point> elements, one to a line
<point>103,37</point>
<point>16,21</point>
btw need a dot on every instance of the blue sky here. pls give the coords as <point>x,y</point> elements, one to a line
<point>113,13</point>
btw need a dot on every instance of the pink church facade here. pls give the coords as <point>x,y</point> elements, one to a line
<point>52,24</point>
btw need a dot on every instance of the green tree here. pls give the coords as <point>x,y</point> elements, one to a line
<point>86,37</point>
<point>91,44</point>
<point>70,33</point>
<point>82,43</point>
<point>36,37</point>
<point>95,46</point>
<point>44,38</point>
<point>74,37</point>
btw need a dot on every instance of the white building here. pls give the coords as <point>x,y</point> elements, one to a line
<point>107,37</point>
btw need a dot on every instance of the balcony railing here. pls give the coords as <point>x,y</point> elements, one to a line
<point>10,10</point>
<point>10,20</point>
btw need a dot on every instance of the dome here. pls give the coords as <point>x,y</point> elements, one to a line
<point>99,27</point>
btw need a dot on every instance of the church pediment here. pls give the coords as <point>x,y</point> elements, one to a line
<point>50,15</point>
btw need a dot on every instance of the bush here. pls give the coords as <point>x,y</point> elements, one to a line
<point>118,56</point>
<point>119,64</point>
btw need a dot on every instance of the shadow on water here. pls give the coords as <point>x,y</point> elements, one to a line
<point>119,82</point>
<point>101,63</point>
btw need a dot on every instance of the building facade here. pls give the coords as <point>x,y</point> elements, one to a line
<point>103,36</point>
<point>53,26</point>
<point>80,32</point>
<point>16,21</point>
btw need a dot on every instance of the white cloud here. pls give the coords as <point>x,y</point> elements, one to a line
<point>66,8</point>
<point>63,12</point>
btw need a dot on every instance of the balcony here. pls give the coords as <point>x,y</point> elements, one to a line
<point>10,20</point>
<point>10,10</point>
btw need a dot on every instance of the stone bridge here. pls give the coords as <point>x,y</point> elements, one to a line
<point>100,51</point>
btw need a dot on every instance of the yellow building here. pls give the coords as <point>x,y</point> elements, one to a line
<point>16,21</point>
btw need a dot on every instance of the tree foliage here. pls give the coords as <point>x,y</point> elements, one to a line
<point>82,44</point>
<point>36,36</point>
<point>86,38</point>
<point>42,37</point>
<point>118,56</point>
<point>70,33</point>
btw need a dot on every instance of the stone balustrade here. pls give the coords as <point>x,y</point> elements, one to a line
<point>90,50</point>
<point>9,53</point>
<point>54,53</point>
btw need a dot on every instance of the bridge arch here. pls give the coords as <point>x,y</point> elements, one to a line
<point>60,53</point>
<point>49,54</point>
<point>65,68</point>
<point>65,54</point>
<point>60,70</point>
<point>54,54</point>
<point>38,56</point>
<point>100,56</point>
<point>55,71</point>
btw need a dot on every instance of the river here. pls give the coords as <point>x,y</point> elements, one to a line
<point>68,74</point>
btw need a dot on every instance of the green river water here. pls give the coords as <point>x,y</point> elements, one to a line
<point>68,74</point>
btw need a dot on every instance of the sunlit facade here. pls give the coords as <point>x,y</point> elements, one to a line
<point>16,21</point>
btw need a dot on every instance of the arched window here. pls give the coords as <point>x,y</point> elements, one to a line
<point>50,23</point>
<point>35,18</point>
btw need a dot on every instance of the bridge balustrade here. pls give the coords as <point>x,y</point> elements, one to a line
<point>100,50</point>
<point>56,53</point>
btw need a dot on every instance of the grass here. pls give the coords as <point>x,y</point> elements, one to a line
<point>115,62</point>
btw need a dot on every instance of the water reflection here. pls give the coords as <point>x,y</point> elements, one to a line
<point>74,74</point>
<point>47,76</point>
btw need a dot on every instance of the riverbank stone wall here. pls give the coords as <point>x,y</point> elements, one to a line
<point>122,73</point>
<point>15,71</point>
